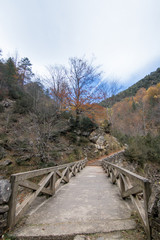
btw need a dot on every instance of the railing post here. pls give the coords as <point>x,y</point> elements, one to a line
<point>12,203</point>
<point>146,196</point>
<point>67,174</point>
<point>53,182</point>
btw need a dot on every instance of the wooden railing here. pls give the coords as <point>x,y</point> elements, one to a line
<point>51,179</point>
<point>133,186</point>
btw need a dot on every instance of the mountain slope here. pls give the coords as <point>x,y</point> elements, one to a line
<point>152,79</point>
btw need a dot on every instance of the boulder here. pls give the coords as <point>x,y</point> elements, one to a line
<point>6,163</point>
<point>5,191</point>
<point>4,208</point>
<point>101,142</point>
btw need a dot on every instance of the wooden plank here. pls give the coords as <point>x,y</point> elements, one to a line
<point>59,180</point>
<point>126,189</point>
<point>53,182</point>
<point>146,196</point>
<point>25,204</point>
<point>61,175</point>
<point>34,173</point>
<point>122,184</point>
<point>34,186</point>
<point>134,176</point>
<point>12,203</point>
<point>132,191</point>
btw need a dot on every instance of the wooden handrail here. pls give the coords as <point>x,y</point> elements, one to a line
<point>54,176</point>
<point>131,185</point>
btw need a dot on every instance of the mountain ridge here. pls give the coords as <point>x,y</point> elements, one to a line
<point>151,79</point>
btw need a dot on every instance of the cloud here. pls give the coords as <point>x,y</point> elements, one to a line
<point>123,35</point>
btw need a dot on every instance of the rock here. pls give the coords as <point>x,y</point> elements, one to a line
<point>3,223</point>
<point>85,134</point>
<point>6,163</point>
<point>4,208</point>
<point>5,191</point>
<point>100,143</point>
<point>93,137</point>
<point>7,103</point>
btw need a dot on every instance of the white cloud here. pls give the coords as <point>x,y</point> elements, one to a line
<point>123,35</point>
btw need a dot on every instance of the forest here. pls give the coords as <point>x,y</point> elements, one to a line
<point>74,95</point>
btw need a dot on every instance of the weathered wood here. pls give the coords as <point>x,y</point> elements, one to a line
<point>26,203</point>
<point>47,185</point>
<point>35,173</point>
<point>131,185</point>
<point>132,191</point>
<point>146,196</point>
<point>12,203</point>
<point>53,182</point>
<point>135,177</point>
<point>34,186</point>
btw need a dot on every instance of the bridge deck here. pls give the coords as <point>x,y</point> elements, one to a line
<point>88,204</point>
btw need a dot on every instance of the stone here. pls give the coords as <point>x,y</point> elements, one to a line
<point>3,223</point>
<point>4,208</point>
<point>6,163</point>
<point>100,144</point>
<point>5,191</point>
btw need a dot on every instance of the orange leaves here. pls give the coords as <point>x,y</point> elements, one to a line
<point>138,114</point>
<point>95,112</point>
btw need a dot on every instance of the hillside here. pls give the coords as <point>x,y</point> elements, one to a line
<point>152,79</point>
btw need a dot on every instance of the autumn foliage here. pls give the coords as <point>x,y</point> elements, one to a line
<point>140,114</point>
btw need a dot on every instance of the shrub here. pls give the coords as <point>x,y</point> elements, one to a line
<point>106,126</point>
<point>86,124</point>
<point>23,105</point>
<point>72,137</point>
<point>143,148</point>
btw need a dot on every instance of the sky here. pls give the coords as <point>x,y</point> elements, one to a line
<point>122,36</point>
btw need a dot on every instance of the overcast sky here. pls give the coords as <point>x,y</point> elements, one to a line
<point>122,35</point>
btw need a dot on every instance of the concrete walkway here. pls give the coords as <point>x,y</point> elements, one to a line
<point>89,203</point>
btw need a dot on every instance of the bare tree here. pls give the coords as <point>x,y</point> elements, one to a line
<point>59,85</point>
<point>83,77</point>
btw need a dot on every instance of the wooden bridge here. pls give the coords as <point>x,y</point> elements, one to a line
<point>91,202</point>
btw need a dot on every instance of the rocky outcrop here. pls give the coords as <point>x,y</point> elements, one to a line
<point>5,193</point>
<point>103,141</point>
<point>154,218</point>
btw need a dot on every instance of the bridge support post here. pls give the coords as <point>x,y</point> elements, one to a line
<point>12,203</point>
<point>53,183</point>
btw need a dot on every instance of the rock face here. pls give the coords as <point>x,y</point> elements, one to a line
<point>5,191</point>
<point>6,163</point>
<point>104,141</point>
<point>154,218</point>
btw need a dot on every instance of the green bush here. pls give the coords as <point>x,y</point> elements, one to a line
<point>106,126</point>
<point>72,137</point>
<point>86,124</point>
<point>143,148</point>
<point>83,141</point>
<point>66,115</point>
<point>15,92</point>
<point>23,105</point>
